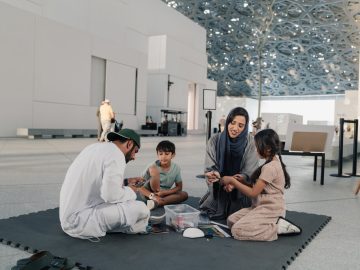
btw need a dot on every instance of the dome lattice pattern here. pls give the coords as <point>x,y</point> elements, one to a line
<point>304,47</point>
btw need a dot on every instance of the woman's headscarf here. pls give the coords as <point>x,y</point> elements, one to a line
<point>230,152</point>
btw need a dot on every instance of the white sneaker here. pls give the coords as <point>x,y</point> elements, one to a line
<point>157,219</point>
<point>150,204</point>
<point>285,227</point>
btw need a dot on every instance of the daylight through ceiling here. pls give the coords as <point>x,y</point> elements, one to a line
<point>283,47</point>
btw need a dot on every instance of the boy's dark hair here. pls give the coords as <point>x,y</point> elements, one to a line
<point>268,144</point>
<point>166,146</point>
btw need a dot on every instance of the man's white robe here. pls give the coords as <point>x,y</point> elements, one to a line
<point>93,198</point>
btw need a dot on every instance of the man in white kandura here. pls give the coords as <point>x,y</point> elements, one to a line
<point>106,116</point>
<point>95,198</point>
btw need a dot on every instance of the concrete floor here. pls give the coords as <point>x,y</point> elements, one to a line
<point>32,171</point>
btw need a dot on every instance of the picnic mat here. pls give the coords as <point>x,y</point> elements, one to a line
<point>42,231</point>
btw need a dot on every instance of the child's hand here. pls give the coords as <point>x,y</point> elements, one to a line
<point>239,177</point>
<point>157,199</point>
<point>228,180</point>
<point>161,193</point>
<point>153,171</point>
<point>229,188</point>
<point>134,188</point>
<point>135,181</point>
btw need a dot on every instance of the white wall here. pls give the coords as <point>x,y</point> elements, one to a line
<point>157,55</point>
<point>33,6</point>
<point>46,49</point>
<point>62,63</point>
<point>16,69</point>
<point>280,122</point>
<point>312,108</point>
<point>180,55</point>
<point>124,76</point>
<point>347,107</point>
<point>157,97</point>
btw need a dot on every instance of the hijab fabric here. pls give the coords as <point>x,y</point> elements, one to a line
<point>230,152</point>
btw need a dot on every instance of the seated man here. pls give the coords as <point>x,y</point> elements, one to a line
<point>93,197</point>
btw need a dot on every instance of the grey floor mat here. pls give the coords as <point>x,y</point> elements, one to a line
<point>41,231</point>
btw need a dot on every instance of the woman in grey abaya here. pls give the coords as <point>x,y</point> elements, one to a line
<point>229,153</point>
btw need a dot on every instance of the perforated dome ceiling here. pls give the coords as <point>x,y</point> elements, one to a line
<point>305,47</point>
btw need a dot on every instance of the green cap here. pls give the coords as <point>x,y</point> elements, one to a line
<point>124,133</point>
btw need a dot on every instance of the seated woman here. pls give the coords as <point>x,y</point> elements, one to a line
<point>229,153</point>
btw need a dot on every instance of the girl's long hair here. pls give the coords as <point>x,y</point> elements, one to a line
<point>268,145</point>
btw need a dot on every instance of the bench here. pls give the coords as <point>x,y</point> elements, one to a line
<point>32,133</point>
<point>315,155</point>
<point>309,143</point>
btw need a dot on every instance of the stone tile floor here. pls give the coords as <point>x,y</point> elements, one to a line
<point>31,173</point>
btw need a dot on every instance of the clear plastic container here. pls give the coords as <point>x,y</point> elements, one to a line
<point>181,216</point>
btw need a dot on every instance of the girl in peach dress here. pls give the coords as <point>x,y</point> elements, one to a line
<point>265,219</point>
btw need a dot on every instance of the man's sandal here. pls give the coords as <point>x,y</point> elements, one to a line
<point>43,260</point>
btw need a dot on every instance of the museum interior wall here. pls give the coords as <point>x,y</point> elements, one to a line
<point>61,58</point>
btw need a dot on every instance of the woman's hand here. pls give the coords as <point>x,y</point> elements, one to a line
<point>212,176</point>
